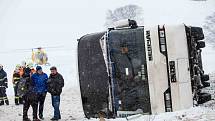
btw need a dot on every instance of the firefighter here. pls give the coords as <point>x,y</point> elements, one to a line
<point>3,86</point>
<point>24,72</point>
<point>15,80</point>
<point>29,97</point>
<point>32,70</point>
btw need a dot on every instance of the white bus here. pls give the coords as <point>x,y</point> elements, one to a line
<point>132,69</point>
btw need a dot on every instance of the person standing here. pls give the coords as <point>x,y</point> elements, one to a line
<point>15,80</point>
<point>3,86</point>
<point>55,84</point>
<point>39,80</point>
<point>30,99</point>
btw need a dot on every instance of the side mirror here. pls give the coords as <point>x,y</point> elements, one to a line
<point>200,44</point>
<point>197,33</point>
<point>205,77</point>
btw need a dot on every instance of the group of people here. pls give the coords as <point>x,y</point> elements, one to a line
<point>31,87</point>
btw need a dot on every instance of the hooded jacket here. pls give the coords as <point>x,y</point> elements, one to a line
<point>39,82</point>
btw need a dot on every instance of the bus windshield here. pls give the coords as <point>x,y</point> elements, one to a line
<point>129,70</point>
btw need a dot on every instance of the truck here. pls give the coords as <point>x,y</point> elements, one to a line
<point>131,69</point>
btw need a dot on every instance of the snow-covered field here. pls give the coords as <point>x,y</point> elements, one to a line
<point>71,109</point>
<point>26,24</point>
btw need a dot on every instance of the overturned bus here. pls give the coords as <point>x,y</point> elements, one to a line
<point>133,69</point>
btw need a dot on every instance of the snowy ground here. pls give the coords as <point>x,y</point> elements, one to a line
<point>71,109</point>
<point>64,22</point>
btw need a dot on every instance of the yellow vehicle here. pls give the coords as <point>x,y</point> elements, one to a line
<point>39,56</point>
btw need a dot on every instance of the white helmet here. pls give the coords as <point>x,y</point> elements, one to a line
<point>30,65</point>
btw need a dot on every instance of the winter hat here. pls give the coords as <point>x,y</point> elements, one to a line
<point>38,68</point>
<point>53,68</point>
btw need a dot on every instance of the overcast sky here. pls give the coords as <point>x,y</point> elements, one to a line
<point>38,22</point>
<point>31,23</point>
<point>53,21</point>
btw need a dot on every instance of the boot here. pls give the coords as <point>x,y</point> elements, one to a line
<point>20,100</point>
<point>16,101</point>
<point>26,119</point>
<point>54,119</point>
<point>41,117</point>
<point>36,119</point>
<point>7,102</point>
<point>1,102</point>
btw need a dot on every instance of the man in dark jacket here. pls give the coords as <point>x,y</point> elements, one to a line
<point>55,85</point>
<point>39,80</point>
<point>28,95</point>
<point>30,99</point>
<point>3,86</point>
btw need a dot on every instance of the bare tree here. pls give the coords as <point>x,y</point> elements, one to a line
<point>126,12</point>
<point>209,28</point>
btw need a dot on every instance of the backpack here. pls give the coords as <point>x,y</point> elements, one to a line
<point>22,87</point>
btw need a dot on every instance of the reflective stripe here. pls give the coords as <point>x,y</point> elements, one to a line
<point>16,97</point>
<point>16,78</point>
<point>2,79</point>
<point>5,98</point>
<point>2,86</point>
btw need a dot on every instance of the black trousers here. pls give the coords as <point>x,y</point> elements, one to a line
<point>3,95</point>
<point>15,90</point>
<point>17,98</point>
<point>41,99</point>
<point>30,100</point>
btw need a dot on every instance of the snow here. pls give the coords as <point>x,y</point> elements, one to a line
<point>71,109</point>
<point>26,24</point>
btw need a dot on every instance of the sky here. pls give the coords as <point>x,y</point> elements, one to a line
<point>26,24</point>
